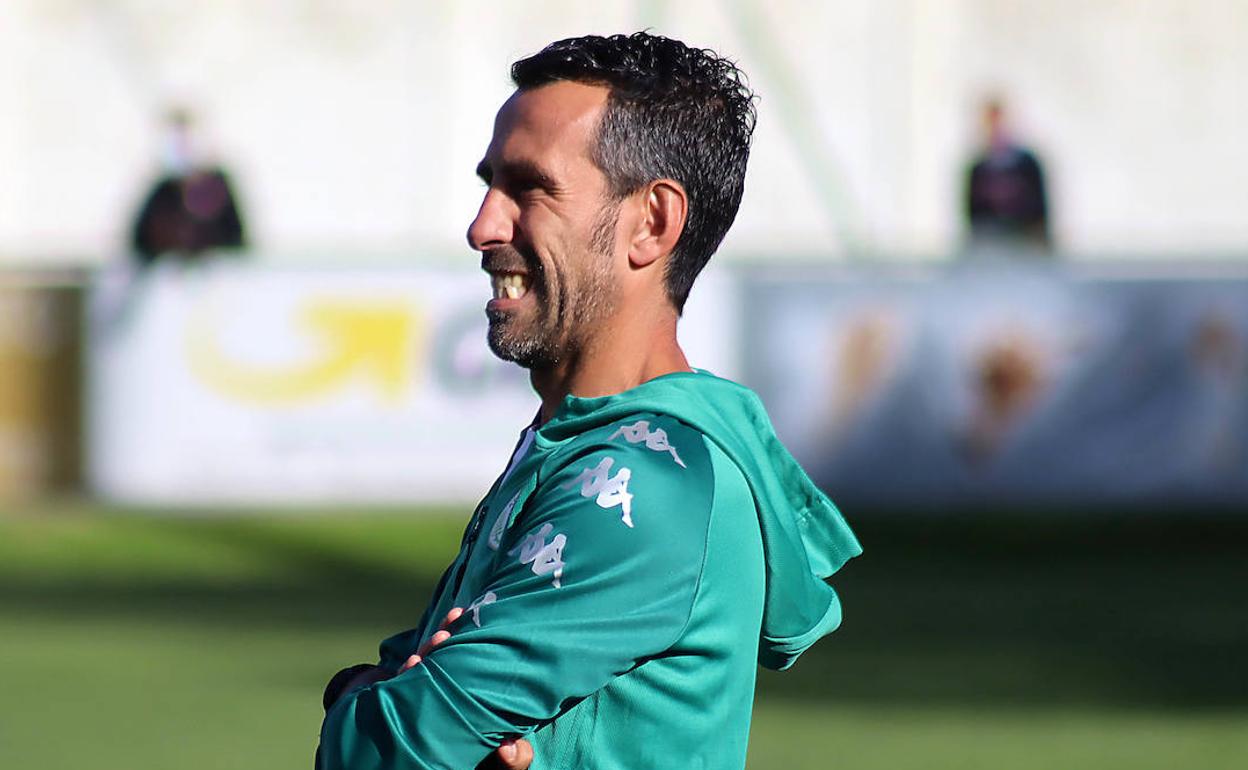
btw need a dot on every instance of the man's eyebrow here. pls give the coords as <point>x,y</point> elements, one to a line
<point>521,172</point>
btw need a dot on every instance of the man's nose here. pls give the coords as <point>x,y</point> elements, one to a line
<point>494,223</point>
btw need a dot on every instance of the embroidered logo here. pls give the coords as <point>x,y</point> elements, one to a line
<point>610,490</point>
<point>546,557</point>
<point>495,540</point>
<point>656,439</point>
<point>475,608</point>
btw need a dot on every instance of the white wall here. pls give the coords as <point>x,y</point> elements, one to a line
<point>353,128</point>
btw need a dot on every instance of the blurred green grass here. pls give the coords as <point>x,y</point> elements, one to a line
<point>135,640</point>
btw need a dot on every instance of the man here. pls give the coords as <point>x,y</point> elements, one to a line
<point>1005,201</point>
<point>650,539</point>
<point>191,208</point>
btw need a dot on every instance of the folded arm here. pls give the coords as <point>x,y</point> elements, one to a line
<point>597,574</point>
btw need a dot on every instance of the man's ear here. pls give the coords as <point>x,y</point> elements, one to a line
<point>664,209</point>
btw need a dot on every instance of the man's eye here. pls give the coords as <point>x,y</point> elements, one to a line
<point>524,187</point>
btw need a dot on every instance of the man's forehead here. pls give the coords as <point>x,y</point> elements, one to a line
<point>559,114</point>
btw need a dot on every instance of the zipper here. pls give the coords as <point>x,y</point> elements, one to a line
<point>470,541</point>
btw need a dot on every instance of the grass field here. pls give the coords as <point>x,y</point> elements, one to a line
<point>137,641</point>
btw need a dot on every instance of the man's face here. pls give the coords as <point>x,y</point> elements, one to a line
<point>546,229</point>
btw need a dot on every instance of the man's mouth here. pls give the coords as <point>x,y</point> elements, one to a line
<point>509,285</point>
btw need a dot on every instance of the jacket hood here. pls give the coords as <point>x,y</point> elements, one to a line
<point>805,538</point>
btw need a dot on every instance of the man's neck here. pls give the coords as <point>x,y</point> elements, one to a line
<point>610,364</point>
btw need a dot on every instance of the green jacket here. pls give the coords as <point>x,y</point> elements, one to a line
<point>622,578</point>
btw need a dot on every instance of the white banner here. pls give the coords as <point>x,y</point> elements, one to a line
<point>231,383</point>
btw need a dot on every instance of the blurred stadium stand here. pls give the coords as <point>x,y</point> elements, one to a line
<point>352,135</point>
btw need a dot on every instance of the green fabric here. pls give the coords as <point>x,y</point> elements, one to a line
<point>805,537</point>
<point>617,580</point>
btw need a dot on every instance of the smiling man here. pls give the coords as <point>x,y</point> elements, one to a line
<point>650,541</point>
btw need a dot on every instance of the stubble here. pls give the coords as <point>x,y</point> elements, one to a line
<point>560,331</point>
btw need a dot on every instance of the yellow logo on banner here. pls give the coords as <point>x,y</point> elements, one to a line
<point>370,341</point>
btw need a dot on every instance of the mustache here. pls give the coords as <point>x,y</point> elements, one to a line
<point>506,258</point>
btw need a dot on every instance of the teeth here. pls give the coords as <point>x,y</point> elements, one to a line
<point>509,285</point>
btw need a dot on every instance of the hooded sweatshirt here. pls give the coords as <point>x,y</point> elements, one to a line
<point>640,554</point>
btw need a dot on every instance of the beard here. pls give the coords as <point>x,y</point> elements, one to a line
<point>555,332</point>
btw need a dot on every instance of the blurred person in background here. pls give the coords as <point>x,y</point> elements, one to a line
<point>650,542</point>
<point>191,208</point>
<point>1006,203</point>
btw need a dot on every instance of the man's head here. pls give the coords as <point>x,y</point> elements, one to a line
<point>993,117</point>
<point>596,124</point>
<point>672,112</point>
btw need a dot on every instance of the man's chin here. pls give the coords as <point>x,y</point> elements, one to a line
<point>522,351</point>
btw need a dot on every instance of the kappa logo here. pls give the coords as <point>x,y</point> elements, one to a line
<point>546,557</point>
<point>495,539</point>
<point>475,608</point>
<point>610,490</point>
<point>655,439</point>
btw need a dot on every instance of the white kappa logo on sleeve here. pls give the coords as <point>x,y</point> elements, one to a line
<point>475,608</point>
<point>546,557</point>
<point>656,440</point>
<point>495,540</point>
<point>610,490</point>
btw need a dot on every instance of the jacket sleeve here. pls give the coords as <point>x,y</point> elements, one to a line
<point>596,574</point>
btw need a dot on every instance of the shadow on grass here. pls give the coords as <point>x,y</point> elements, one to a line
<point>1004,611</point>
<point>310,583</point>
<point>1136,611</point>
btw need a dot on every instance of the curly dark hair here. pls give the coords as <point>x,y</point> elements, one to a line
<point>673,112</point>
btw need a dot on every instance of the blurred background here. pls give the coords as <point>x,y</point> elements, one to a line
<point>990,277</point>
